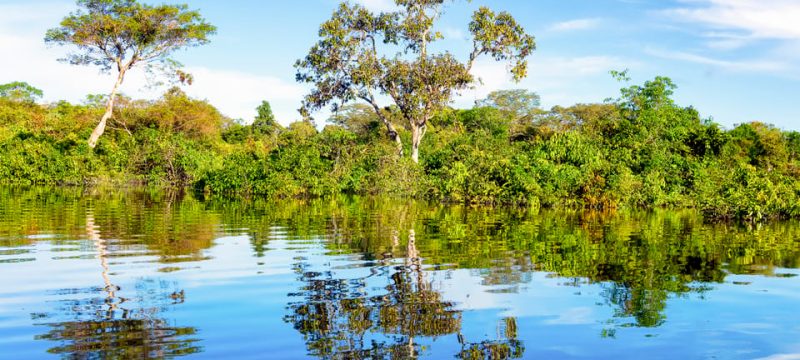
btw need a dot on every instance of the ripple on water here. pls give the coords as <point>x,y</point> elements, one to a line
<point>383,279</point>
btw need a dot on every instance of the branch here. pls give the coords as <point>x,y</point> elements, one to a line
<point>473,55</point>
<point>392,90</point>
<point>370,99</point>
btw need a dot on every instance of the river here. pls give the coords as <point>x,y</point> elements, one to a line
<point>138,273</point>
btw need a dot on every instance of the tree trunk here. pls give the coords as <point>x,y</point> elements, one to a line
<point>396,137</point>
<point>417,132</point>
<point>389,126</point>
<point>399,143</point>
<point>101,127</point>
<point>93,233</point>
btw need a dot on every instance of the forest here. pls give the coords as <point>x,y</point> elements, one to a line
<point>639,150</point>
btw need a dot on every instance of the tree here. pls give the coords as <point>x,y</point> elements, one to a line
<point>516,104</point>
<point>763,145</point>
<point>20,92</point>
<point>346,65</point>
<point>177,112</point>
<point>358,118</point>
<point>265,120</point>
<point>122,34</point>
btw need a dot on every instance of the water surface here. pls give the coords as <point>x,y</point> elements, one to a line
<point>137,274</point>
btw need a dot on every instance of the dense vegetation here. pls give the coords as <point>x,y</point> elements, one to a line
<point>641,150</point>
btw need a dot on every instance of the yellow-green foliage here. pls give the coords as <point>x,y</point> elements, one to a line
<point>641,151</point>
<point>171,140</point>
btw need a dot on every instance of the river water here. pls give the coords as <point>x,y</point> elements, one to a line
<point>146,274</point>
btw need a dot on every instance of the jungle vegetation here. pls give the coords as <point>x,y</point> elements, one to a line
<point>348,64</point>
<point>641,150</point>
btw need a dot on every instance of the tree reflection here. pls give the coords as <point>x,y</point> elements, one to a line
<point>639,260</point>
<point>114,327</point>
<point>510,348</point>
<point>340,319</point>
<point>142,338</point>
<point>169,224</point>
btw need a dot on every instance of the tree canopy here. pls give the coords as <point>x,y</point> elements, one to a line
<point>120,34</point>
<point>516,104</point>
<point>362,56</point>
<point>265,119</point>
<point>20,92</point>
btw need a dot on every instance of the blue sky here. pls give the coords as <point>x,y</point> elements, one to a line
<point>734,60</point>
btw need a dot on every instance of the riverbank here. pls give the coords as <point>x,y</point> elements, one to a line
<point>641,151</point>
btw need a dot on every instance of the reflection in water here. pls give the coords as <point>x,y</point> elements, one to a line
<point>93,234</point>
<point>341,319</point>
<point>510,348</point>
<point>376,278</point>
<point>116,327</point>
<point>142,338</point>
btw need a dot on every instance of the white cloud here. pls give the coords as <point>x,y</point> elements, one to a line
<point>781,357</point>
<point>789,51</point>
<point>558,80</point>
<point>740,65</point>
<point>574,316</point>
<point>734,24</point>
<point>575,25</point>
<point>764,19</point>
<point>720,40</point>
<point>14,16</point>
<point>452,33</point>
<point>237,93</point>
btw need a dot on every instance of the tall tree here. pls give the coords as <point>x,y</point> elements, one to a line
<point>348,64</point>
<point>122,34</point>
<point>20,92</point>
<point>517,104</point>
<point>264,122</point>
<point>358,118</point>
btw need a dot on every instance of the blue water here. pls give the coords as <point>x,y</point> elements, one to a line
<point>132,275</point>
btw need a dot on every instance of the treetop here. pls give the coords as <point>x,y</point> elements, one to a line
<point>121,33</point>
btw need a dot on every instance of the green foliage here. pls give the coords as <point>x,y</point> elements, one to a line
<point>264,122</point>
<point>516,104</point>
<point>120,33</point>
<point>641,151</point>
<point>174,112</point>
<point>264,126</point>
<point>235,133</point>
<point>347,64</point>
<point>172,140</point>
<point>486,119</point>
<point>20,92</point>
<point>359,119</point>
